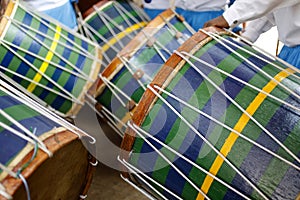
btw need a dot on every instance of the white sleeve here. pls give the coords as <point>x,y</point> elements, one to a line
<point>258,26</point>
<point>245,10</point>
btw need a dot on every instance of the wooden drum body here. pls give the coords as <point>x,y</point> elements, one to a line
<point>27,140</point>
<point>220,120</point>
<point>53,64</point>
<point>123,82</point>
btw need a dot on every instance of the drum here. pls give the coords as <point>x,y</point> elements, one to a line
<point>112,24</point>
<point>41,156</point>
<point>51,63</point>
<point>220,120</point>
<point>122,83</point>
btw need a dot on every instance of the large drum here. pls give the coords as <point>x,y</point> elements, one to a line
<point>123,82</point>
<point>41,156</point>
<point>53,64</point>
<point>113,24</point>
<point>220,120</point>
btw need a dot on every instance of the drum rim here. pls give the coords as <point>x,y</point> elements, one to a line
<point>132,47</point>
<point>17,161</point>
<point>64,136</point>
<point>100,5</point>
<point>162,79</point>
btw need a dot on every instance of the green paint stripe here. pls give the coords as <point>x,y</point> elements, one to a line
<point>192,176</point>
<point>143,58</point>
<point>158,106</point>
<point>118,20</point>
<point>18,112</point>
<point>241,148</point>
<point>170,86</point>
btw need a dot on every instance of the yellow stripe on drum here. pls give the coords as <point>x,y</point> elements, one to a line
<point>45,64</point>
<point>241,124</point>
<point>122,35</point>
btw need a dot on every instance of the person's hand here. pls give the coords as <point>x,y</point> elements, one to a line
<point>219,22</point>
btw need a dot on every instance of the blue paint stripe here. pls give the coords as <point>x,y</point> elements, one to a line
<point>24,68</point>
<point>283,118</point>
<point>171,117</point>
<point>218,104</point>
<point>290,183</point>
<point>150,68</point>
<point>14,144</point>
<point>97,23</point>
<point>185,94</point>
<point>72,79</point>
<point>245,76</point>
<point>182,92</point>
<point>34,48</point>
<point>7,101</point>
<point>57,103</point>
<point>174,179</point>
<point>127,7</point>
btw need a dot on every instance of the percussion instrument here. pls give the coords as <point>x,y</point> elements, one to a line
<point>122,83</point>
<point>53,64</point>
<point>41,155</point>
<point>112,24</point>
<point>220,120</point>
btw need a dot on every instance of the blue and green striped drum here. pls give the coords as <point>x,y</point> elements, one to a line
<point>38,151</point>
<point>113,24</point>
<point>220,120</point>
<point>52,63</point>
<point>124,81</point>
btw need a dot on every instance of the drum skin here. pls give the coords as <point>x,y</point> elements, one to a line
<point>65,175</point>
<point>255,172</point>
<point>143,61</point>
<point>52,63</point>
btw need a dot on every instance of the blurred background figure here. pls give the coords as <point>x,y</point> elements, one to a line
<point>155,7</point>
<point>195,12</point>
<point>266,14</point>
<point>60,10</point>
<point>3,4</point>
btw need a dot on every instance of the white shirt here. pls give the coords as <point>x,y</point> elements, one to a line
<point>42,5</point>
<point>201,5</point>
<point>256,27</point>
<point>285,14</point>
<point>193,5</point>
